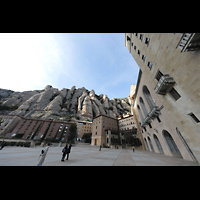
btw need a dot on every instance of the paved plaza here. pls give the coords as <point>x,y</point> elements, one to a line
<point>87,155</point>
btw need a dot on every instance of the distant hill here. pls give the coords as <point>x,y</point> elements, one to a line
<point>65,104</point>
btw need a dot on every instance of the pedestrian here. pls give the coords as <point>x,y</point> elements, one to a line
<point>3,143</point>
<point>100,148</point>
<point>64,151</point>
<point>68,151</point>
<point>43,155</point>
<point>133,148</point>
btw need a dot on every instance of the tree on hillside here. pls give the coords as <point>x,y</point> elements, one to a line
<point>72,133</point>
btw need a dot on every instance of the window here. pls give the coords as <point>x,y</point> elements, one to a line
<point>174,94</point>
<point>193,117</point>
<point>128,38</point>
<point>143,58</point>
<point>147,40</point>
<point>141,37</point>
<point>135,48</point>
<point>149,65</point>
<point>136,34</point>
<point>138,52</point>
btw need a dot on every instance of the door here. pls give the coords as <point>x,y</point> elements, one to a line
<point>95,142</point>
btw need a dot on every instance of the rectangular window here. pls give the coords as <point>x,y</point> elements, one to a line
<point>141,37</point>
<point>128,38</point>
<point>147,40</point>
<point>194,118</point>
<point>143,58</point>
<point>174,94</point>
<point>138,52</point>
<point>149,65</point>
<point>135,48</point>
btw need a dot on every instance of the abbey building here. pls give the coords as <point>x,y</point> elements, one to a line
<point>167,96</point>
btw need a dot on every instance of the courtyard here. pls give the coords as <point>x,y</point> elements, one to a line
<point>87,155</point>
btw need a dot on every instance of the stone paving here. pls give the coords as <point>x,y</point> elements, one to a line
<point>87,155</point>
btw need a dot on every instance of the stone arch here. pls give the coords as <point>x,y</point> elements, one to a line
<point>143,106</point>
<point>171,144</point>
<point>140,113</point>
<point>147,95</point>
<point>150,143</point>
<point>146,144</point>
<point>160,149</point>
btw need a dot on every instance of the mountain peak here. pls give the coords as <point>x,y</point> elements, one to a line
<point>65,104</point>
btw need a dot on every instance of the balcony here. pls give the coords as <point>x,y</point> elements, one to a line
<point>155,112</point>
<point>164,84</point>
<point>189,42</point>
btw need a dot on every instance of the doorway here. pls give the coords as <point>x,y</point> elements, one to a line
<point>95,142</point>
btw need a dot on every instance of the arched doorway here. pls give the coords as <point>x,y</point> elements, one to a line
<point>150,143</point>
<point>147,95</point>
<point>171,144</point>
<point>160,149</point>
<point>146,144</point>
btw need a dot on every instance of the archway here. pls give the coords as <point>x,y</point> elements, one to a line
<point>147,95</point>
<point>150,143</point>
<point>160,149</point>
<point>146,144</point>
<point>171,144</point>
<point>143,107</point>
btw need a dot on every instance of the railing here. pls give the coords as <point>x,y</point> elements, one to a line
<point>164,85</point>
<point>155,112</point>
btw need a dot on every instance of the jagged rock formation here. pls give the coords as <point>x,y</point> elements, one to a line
<point>66,104</point>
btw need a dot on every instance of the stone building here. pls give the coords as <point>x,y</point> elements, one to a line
<point>167,95</point>
<point>104,130</point>
<point>38,129</point>
<point>126,125</point>
<point>83,127</point>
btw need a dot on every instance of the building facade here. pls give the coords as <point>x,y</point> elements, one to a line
<point>38,129</point>
<point>126,125</point>
<point>104,130</point>
<point>83,127</point>
<point>168,94</point>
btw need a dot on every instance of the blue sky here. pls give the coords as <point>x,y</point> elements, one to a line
<point>98,61</point>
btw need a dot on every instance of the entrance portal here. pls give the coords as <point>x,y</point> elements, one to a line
<point>95,142</point>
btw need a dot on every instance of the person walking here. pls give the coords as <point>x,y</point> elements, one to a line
<point>133,148</point>
<point>43,155</point>
<point>100,148</point>
<point>68,151</point>
<point>64,151</point>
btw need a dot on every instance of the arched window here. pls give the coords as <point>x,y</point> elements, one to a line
<point>160,149</point>
<point>146,144</point>
<point>171,144</point>
<point>151,103</point>
<point>140,113</point>
<point>143,107</point>
<point>150,143</point>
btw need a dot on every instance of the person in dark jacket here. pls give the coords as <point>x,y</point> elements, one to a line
<point>69,150</point>
<point>64,151</point>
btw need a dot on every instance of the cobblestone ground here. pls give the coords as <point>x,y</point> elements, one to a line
<point>87,155</point>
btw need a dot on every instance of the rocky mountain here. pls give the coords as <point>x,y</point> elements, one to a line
<point>65,104</point>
